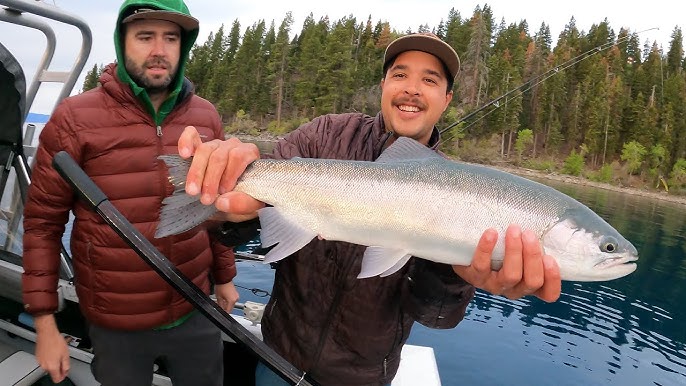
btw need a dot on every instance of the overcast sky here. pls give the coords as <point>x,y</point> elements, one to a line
<point>27,45</point>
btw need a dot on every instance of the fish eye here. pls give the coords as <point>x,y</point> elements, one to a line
<point>609,244</point>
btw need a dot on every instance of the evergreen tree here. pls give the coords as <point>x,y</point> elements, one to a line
<point>215,82</point>
<point>278,66</point>
<point>198,65</point>
<point>675,55</point>
<point>222,80</point>
<point>334,73</point>
<point>475,80</point>
<point>92,78</point>
<point>306,67</point>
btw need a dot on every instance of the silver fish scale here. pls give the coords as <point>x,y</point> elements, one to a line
<point>431,208</point>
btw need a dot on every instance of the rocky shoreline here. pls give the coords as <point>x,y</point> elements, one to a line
<point>664,196</point>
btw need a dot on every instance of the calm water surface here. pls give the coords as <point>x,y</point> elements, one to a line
<point>629,331</point>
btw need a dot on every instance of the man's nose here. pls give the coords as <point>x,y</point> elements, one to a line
<point>412,87</point>
<point>158,47</point>
<point>412,90</point>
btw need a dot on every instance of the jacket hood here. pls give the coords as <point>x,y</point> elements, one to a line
<point>187,41</point>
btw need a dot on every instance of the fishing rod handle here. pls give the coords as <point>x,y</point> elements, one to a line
<point>78,179</point>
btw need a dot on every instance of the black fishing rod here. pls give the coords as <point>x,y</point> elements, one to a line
<point>535,81</point>
<point>96,200</point>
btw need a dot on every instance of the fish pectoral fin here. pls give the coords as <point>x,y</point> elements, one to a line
<point>401,263</point>
<point>382,261</point>
<point>277,229</point>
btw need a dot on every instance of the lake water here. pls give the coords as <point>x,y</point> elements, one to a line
<point>629,331</point>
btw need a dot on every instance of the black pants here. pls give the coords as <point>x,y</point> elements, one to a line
<point>192,354</point>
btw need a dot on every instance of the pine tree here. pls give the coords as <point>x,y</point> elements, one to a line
<point>279,66</point>
<point>92,78</point>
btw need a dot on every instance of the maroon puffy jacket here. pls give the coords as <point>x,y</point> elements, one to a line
<point>116,142</point>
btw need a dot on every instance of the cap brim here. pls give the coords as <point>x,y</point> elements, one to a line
<point>187,23</point>
<point>430,45</point>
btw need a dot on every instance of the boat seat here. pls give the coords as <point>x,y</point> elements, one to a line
<point>10,276</point>
<point>12,110</point>
<point>18,368</point>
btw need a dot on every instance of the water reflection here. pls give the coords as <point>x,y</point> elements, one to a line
<point>628,331</point>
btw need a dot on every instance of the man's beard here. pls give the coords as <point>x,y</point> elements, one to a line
<point>156,85</point>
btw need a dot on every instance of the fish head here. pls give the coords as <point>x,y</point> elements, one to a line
<point>589,249</point>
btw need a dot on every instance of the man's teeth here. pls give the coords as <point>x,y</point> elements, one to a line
<point>412,109</point>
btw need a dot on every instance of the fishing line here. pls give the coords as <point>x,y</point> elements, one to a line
<point>531,83</point>
<point>255,291</point>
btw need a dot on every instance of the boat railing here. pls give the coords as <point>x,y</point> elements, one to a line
<point>38,15</point>
<point>31,14</point>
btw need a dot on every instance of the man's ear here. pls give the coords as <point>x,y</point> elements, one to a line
<point>448,99</point>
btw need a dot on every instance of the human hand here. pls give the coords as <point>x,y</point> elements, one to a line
<point>227,296</point>
<point>52,352</point>
<point>213,173</point>
<point>525,271</point>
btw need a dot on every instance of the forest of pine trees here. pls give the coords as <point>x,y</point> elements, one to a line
<point>618,107</point>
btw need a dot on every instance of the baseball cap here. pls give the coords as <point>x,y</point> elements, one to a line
<point>426,42</point>
<point>187,23</point>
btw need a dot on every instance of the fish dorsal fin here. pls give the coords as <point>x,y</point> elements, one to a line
<point>407,149</point>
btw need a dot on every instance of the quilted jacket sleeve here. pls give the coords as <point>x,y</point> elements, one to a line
<point>46,212</point>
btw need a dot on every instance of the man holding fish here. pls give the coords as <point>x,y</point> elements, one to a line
<point>321,317</point>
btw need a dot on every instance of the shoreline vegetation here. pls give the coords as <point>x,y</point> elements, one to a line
<point>600,103</point>
<point>264,143</point>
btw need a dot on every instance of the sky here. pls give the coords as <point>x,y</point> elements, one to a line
<point>658,18</point>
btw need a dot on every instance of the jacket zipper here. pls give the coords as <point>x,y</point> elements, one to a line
<point>167,247</point>
<point>398,338</point>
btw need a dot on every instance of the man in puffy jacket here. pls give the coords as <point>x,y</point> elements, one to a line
<point>339,329</point>
<point>115,133</point>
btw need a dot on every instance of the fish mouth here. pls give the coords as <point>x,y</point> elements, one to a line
<point>618,263</point>
<point>608,269</point>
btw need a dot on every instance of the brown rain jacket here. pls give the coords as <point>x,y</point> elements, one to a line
<point>340,329</point>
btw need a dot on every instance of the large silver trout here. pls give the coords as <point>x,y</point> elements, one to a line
<point>410,202</point>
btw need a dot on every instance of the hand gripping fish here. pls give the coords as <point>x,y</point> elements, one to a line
<point>410,202</point>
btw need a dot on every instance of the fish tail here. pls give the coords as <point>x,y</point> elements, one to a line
<point>180,212</point>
